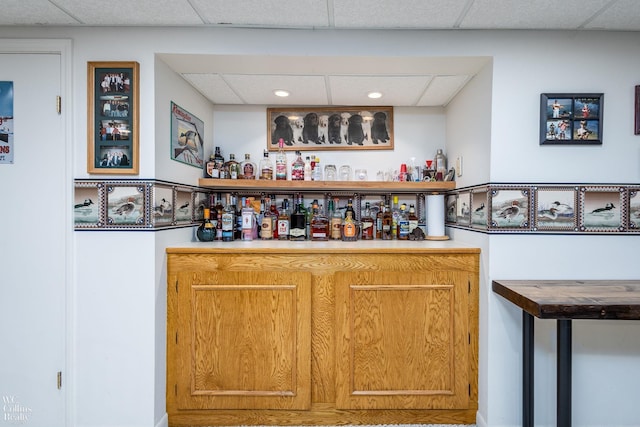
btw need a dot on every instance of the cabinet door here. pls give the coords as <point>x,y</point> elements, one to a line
<point>243,340</point>
<point>402,340</point>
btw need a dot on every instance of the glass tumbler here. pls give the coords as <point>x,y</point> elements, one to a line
<point>345,173</point>
<point>330,173</point>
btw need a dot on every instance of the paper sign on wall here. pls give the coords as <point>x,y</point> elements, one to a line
<point>6,122</point>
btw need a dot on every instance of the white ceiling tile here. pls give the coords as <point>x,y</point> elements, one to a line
<point>33,12</point>
<point>396,90</point>
<point>526,14</point>
<point>397,13</point>
<point>622,15</point>
<point>292,13</point>
<point>127,12</point>
<point>214,88</point>
<point>441,90</point>
<point>258,89</point>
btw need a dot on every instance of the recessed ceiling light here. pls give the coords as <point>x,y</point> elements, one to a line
<point>374,95</point>
<point>281,93</point>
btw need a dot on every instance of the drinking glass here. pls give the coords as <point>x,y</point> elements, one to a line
<point>361,174</point>
<point>330,173</point>
<point>345,173</point>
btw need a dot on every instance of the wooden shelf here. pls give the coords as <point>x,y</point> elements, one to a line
<point>327,186</point>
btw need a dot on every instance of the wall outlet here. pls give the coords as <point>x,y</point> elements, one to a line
<point>459,165</point>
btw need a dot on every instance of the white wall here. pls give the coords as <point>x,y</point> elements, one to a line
<point>120,323</point>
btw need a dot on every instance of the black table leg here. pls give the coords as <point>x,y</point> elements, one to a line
<point>527,369</point>
<point>563,402</point>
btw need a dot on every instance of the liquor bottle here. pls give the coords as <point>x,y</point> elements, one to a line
<point>266,226</point>
<point>395,213</point>
<point>297,168</point>
<point>210,170</point>
<point>335,220</point>
<point>349,228</point>
<point>403,223</point>
<point>387,223</point>
<point>298,224</point>
<point>206,231</point>
<point>368,223</point>
<point>233,167</point>
<point>319,224</point>
<point>379,221</point>
<point>216,212</point>
<point>281,161</point>
<point>350,209</point>
<point>273,210</point>
<point>218,171</point>
<point>413,219</point>
<point>317,170</point>
<point>284,221</point>
<point>248,221</point>
<point>441,165</point>
<point>266,166</point>
<point>248,168</point>
<point>228,221</point>
<point>307,169</point>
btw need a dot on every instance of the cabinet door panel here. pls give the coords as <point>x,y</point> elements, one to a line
<point>402,340</point>
<point>243,340</point>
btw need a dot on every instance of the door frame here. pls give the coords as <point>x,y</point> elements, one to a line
<point>63,47</point>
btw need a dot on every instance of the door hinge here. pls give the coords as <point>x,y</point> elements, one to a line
<point>176,286</point>
<point>175,389</point>
<point>59,104</point>
<point>469,389</point>
<point>176,337</point>
<point>469,338</point>
<point>59,379</point>
<point>469,282</point>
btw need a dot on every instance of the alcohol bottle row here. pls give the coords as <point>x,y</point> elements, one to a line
<point>250,219</point>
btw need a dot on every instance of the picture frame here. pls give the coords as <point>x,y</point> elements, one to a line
<point>113,117</point>
<point>571,119</point>
<point>330,128</point>
<point>637,116</point>
<point>187,137</point>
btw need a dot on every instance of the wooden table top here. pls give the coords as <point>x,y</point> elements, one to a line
<point>573,299</point>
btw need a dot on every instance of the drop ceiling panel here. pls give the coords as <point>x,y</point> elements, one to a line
<point>396,90</point>
<point>126,12</point>
<point>539,14</point>
<point>33,12</point>
<point>394,14</point>
<point>441,90</point>
<point>258,89</point>
<point>291,13</point>
<point>618,16</point>
<point>214,88</point>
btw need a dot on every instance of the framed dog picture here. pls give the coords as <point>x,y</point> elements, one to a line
<point>330,128</point>
<point>113,115</point>
<point>574,119</point>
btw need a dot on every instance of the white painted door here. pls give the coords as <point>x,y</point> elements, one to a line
<point>33,246</point>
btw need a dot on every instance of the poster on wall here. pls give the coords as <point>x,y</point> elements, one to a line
<point>6,122</point>
<point>186,137</point>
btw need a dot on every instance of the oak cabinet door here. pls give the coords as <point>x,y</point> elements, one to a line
<point>402,340</point>
<point>243,340</point>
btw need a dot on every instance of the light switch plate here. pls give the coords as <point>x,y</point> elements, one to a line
<point>459,165</point>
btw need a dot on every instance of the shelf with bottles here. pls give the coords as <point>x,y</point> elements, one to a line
<point>288,186</point>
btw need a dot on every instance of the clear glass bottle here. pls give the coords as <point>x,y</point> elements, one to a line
<point>274,216</point>
<point>319,224</point>
<point>281,162</point>
<point>248,168</point>
<point>219,164</point>
<point>307,169</point>
<point>297,168</point>
<point>266,166</point>
<point>284,221</point>
<point>440,164</point>
<point>368,223</point>
<point>336,220</point>
<point>395,213</point>
<point>403,223</point>
<point>266,225</point>
<point>206,231</point>
<point>228,221</point>
<point>379,220</point>
<point>317,170</point>
<point>233,167</point>
<point>248,221</point>
<point>349,228</point>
